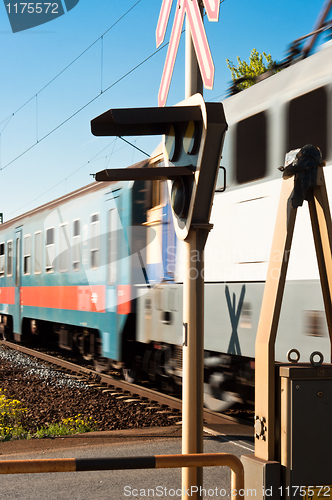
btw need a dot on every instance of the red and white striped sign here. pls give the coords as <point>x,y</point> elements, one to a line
<point>203,53</point>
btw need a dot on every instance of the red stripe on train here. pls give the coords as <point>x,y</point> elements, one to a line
<point>124,299</point>
<point>75,298</point>
<point>7,295</point>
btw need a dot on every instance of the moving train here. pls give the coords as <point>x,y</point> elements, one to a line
<point>66,270</point>
<point>100,269</point>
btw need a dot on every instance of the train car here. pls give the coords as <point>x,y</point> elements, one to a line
<point>100,270</point>
<point>281,113</point>
<point>67,270</point>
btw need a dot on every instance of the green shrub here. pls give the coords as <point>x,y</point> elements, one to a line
<point>68,426</point>
<point>12,425</point>
<point>11,416</point>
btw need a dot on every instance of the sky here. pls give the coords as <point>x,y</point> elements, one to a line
<point>102,54</point>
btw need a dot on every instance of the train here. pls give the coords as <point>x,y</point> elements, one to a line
<point>100,270</point>
<point>66,270</point>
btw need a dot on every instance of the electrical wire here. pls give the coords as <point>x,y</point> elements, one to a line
<point>133,145</point>
<point>94,158</point>
<point>8,119</point>
<point>93,99</point>
<point>72,62</point>
<point>85,105</point>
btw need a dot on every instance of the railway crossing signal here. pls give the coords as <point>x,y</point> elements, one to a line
<point>193,138</point>
<point>191,8</point>
<point>196,144</point>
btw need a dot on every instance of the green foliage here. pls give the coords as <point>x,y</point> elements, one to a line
<point>68,426</point>
<point>12,425</point>
<point>11,416</point>
<point>255,67</point>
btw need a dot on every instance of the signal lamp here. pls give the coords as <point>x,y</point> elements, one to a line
<point>193,138</point>
<point>180,196</point>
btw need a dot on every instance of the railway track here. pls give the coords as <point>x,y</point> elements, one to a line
<point>120,388</point>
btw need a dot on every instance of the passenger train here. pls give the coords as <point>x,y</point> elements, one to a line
<point>102,270</point>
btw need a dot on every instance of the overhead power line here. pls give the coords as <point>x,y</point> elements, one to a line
<point>101,37</point>
<point>71,63</point>
<point>94,158</point>
<point>85,105</point>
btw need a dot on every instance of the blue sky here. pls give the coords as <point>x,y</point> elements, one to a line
<point>63,160</point>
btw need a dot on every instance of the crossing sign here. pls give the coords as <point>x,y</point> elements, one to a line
<point>201,45</point>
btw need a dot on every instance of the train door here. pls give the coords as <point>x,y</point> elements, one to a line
<point>18,259</point>
<point>169,239</point>
<point>113,270</point>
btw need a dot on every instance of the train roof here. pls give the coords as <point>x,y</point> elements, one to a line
<point>78,193</point>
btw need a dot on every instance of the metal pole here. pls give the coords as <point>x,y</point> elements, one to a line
<point>193,78</point>
<point>318,24</point>
<point>193,318</point>
<point>193,354</point>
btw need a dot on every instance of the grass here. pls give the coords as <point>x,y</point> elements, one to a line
<point>12,425</point>
<point>68,426</point>
<point>11,414</point>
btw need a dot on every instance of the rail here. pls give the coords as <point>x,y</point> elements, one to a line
<point>121,463</point>
<point>210,417</point>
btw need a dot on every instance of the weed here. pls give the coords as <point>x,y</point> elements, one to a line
<point>12,415</point>
<point>68,426</point>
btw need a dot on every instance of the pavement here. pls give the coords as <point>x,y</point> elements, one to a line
<point>118,484</point>
<point>230,431</point>
<point>98,438</point>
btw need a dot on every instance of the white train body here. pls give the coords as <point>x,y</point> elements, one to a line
<point>283,112</point>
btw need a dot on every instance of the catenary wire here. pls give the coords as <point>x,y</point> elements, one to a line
<point>8,119</point>
<point>70,64</point>
<point>94,158</point>
<point>85,105</point>
<point>93,99</point>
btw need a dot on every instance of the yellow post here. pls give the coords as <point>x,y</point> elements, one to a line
<point>268,324</point>
<point>322,230</point>
<point>272,299</point>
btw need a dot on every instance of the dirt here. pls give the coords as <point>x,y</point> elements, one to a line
<point>47,403</point>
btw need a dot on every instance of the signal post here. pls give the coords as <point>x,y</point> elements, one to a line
<point>193,138</point>
<point>193,134</point>
<point>193,317</point>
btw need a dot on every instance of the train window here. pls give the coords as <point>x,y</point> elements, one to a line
<point>27,254</point>
<point>10,258</point>
<point>95,241</point>
<point>38,252</point>
<point>63,247</point>
<point>140,201</point>
<point>251,148</point>
<point>315,324</point>
<point>2,260</point>
<point>307,121</point>
<point>49,250</point>
<point>112,245</point>
<point>246,315</point>
<point>76,254</point>
<point>18,260</point>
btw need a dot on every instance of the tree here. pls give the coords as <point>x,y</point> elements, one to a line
<point>248,72</point>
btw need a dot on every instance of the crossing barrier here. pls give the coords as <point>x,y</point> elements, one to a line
<point>121,463</point>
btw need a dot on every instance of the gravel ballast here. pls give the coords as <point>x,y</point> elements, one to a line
<point>50,396</point>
